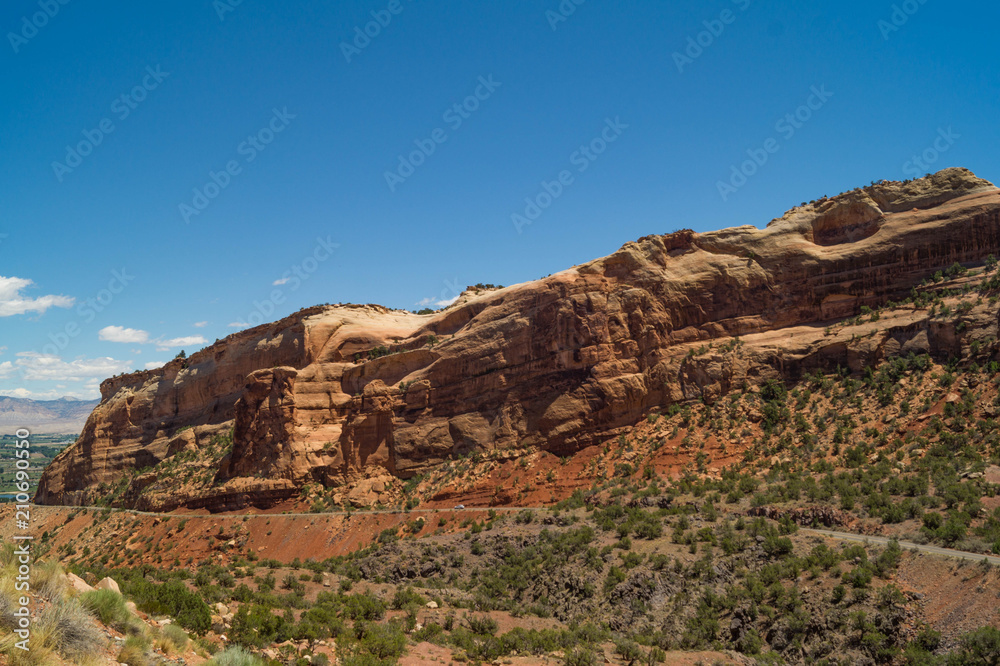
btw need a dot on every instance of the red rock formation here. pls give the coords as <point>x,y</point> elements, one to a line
<point>559,363</point>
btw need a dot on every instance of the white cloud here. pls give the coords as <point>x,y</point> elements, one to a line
<point>13,302</point>
<point>238,324</point>
<point>281,281</point>
<point>47,367</point>
<point>153,365</point>
<point>17,393</point>
<point>120,334</point>
<point>187,341</point>
<point>200,324</point>
<point>436,302</point>
<point>3,349</point>
<point>6,368</point>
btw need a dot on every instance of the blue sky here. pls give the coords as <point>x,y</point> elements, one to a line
<point>172,172</point>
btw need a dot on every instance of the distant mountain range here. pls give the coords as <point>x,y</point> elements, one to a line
<point>62,416</point>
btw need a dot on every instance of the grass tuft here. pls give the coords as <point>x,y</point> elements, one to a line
<point>74,633</point>
<point>235,656</point>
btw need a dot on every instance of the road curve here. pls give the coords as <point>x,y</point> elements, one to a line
<point>906,545</point>
<point>832,534</point>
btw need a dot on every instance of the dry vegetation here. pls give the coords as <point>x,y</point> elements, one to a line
<point>681,536</point>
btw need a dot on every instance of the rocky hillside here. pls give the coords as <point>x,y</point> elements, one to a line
<point>333,394</point>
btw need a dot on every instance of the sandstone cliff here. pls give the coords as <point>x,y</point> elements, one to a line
<point>332,393</point>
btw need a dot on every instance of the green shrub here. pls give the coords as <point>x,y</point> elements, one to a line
<point>483,625</point>
<point>628,650</point>
<point>174,599</point>
<point>176,636</point>
<point>981,646</point>
<point>364,607</point>
<point>776,546</point>
<point>109,607</point>
<point>257,626</point>
<point>580,657</point>
<point>404,597</point>
<point>750,643</point>
<point>384,641</point>
<point>235,656</point>
<point>615,576</point>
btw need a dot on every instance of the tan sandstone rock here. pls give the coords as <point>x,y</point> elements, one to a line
<point>78,584</point>
<point>559,363</point>
<point>108,584</point>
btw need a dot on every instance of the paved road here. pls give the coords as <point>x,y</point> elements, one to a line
<point>832,534</point>
<point>906,545</point>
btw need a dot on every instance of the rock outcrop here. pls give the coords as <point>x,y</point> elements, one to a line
<point>559,363</point>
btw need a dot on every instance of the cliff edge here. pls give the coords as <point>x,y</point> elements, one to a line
<point>335,394</point>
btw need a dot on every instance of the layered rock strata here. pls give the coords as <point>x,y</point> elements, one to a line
<point>560,363</point>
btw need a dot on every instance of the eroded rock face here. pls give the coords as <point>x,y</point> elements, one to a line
<point>559,363</point>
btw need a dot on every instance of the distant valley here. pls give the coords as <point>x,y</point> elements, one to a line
<point>61,417</point>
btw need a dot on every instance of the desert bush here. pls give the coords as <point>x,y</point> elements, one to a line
<point>235,656</point>
<point>175,636</point>
<point>39,654</point>
<point>482,625</point>
<point>171,598</point>
<point>74,633</point>
<point>776,546</point>
<point>135,652</point>
<point>69,628</point>
<point>406,597</point>
<point>49,579</point>
<point>365,659</point>
<point>8,604</point>
<point>981,646</point>
<point>384,641</point>
<point>364,607</point>
<point>109,607</point>
<point>628,650</point>
<point>258,626</point>
<point>580,657</point>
